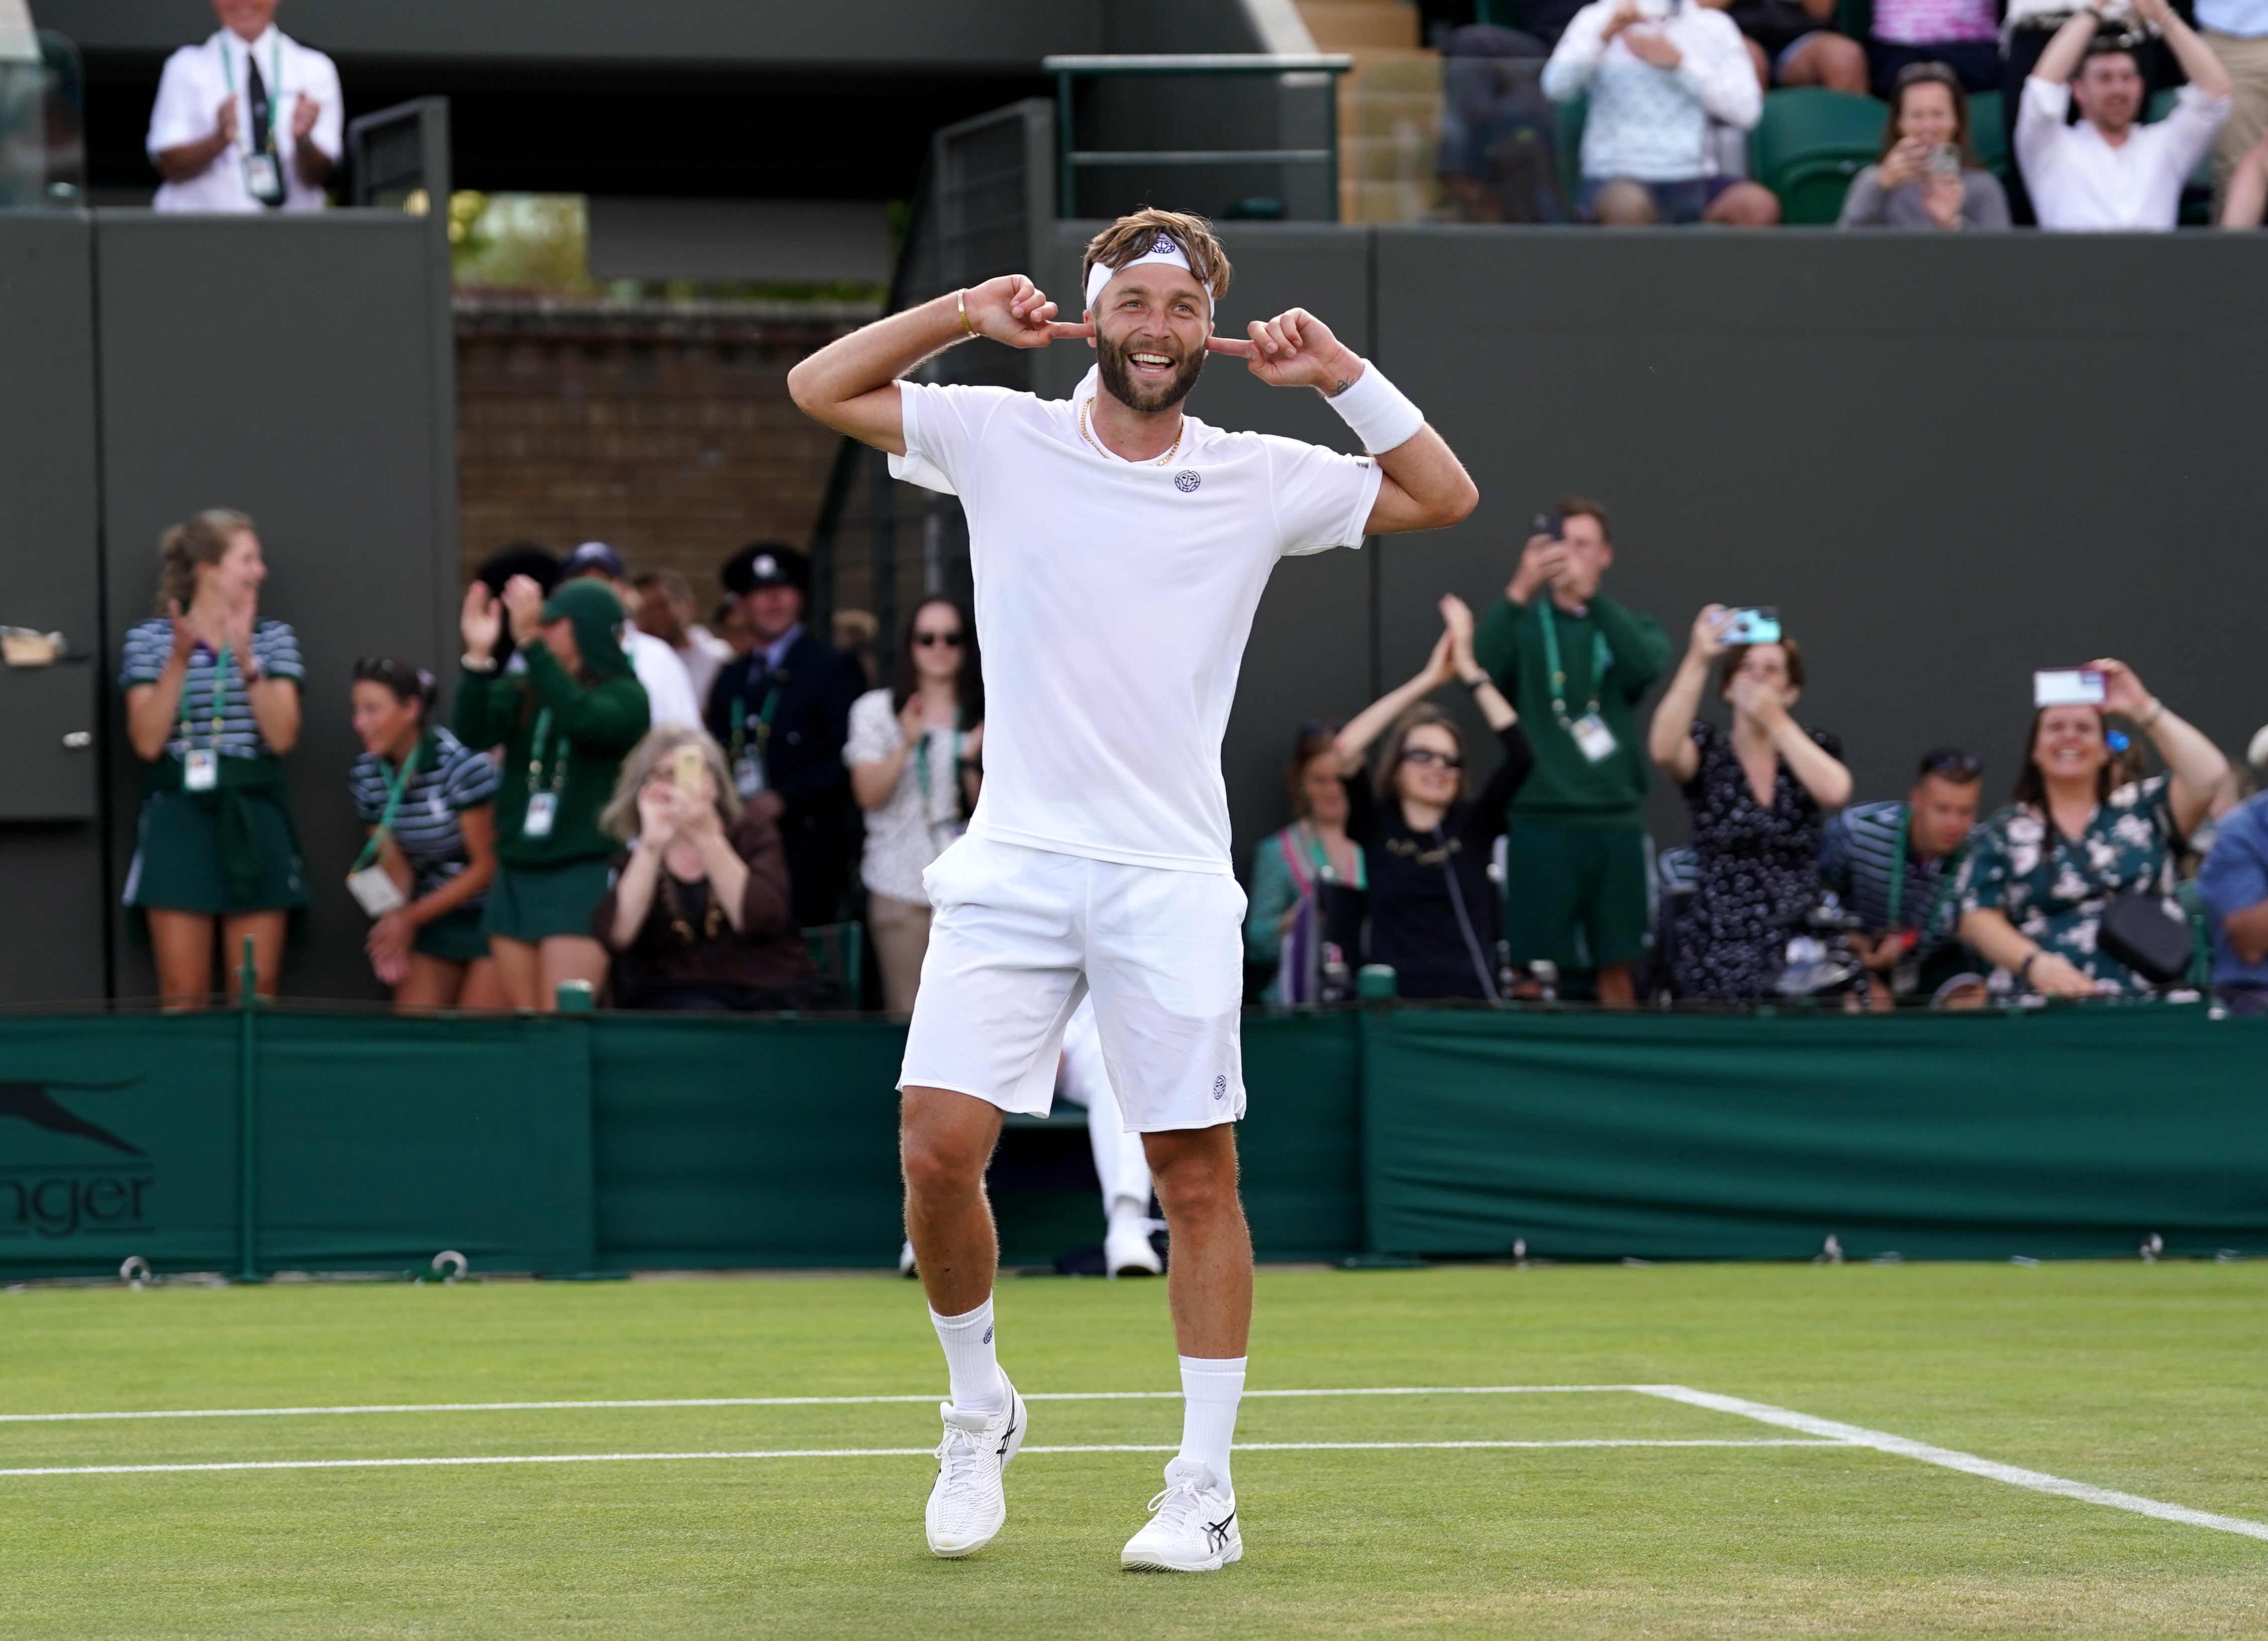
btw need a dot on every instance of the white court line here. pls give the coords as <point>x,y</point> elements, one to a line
<point>851,1453</point>
<point>768,1402</point>
<point>1951,1458</point>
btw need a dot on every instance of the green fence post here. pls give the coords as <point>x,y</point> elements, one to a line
<point>247,1003</point>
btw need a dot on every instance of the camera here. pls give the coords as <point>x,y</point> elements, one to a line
<point>1758,624</point>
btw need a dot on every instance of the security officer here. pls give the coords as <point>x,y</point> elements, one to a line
<point>781,713</point>
<point>249,120</point>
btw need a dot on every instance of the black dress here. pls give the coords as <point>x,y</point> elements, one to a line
<point>1417,881</point>
<point>1756,872</point>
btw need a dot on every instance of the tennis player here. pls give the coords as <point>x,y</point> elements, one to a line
<point>1119,548</point>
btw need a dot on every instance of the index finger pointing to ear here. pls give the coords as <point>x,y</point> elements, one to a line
<point>1228,344</point>
<point>1063,330</point>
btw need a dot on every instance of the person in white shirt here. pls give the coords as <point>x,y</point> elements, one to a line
<point>249,120</point>
<point>666,610</point>
<point>668,689</point>
<point>1657,71</point>
<point>2108,170</point>
<point>1119,548</point>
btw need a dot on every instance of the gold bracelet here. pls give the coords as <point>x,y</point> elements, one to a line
<point>2149,719</point>
<point>966,329</point>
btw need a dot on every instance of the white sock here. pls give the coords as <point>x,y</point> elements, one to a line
<point>1124,1208</point>
<point>969,1359</point>
<point>1210,1388</point>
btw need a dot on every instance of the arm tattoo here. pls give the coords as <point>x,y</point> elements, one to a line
<point>1340,386</point>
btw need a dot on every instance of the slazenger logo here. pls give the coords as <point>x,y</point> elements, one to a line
<point>66,1199</point>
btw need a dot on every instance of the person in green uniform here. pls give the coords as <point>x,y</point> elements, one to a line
<point>564,722</point>
<point>212,706</point>
<point>1574,664</point>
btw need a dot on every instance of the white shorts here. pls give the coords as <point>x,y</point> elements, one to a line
<point>1019,935</point>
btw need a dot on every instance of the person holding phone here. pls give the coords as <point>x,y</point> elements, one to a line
<point>1754,799</point>
<point>1927,175</point>
<point>430,803</point>
<point>698,916</point>
<point>2044,871</point>
<point>212,708</point>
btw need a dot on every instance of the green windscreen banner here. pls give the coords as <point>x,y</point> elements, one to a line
<point>2059,1133</point>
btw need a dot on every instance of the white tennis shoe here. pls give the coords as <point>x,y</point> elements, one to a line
<point>1127,1250</point>
<point>967,1504</point>
<point>1192,1525</point>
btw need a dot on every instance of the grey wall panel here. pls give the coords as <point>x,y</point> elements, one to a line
<point>51,874</point>
<point>285,367</point>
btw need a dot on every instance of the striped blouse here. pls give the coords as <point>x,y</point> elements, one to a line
<point>149,645</point>
<point>450,778</point>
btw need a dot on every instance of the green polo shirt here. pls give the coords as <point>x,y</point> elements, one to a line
<point>1565,784</point>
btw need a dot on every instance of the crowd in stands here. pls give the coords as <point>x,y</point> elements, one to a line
<point>2105,112</point>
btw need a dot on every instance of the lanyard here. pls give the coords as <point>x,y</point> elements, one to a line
<point>1946,875</point>
<point>219,703</point>
<point>397,783</point>
<point>1320,859</point>
<point>1601,657</point>
<point>535,757</point>
<point>275,84</point>
<point>763,724</point>
<point>920,769</point>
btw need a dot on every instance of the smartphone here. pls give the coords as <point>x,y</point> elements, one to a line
<point>1944,160</point>
<point>2068,687</point>
<point>1549,524</point>
<point>1758,624</point>
<point>685,767</point>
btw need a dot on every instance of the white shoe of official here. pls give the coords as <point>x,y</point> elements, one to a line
<point>1127,1250</point>
<point>1192,1525</point>
<point>967,1504</point>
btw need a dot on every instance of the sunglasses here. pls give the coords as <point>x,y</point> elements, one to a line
<point>928,640</point>
<point>1962,766</point>
<point>1427,755</point>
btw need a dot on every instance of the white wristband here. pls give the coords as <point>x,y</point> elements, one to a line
<point>1380,416</point>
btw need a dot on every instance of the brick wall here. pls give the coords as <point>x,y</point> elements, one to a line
<point>664,428</point>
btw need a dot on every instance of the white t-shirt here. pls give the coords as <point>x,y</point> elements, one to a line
<point>1113,603</point>
<point>197,80</point>
<point>904,833</point>
<point>2079,181</point>
<point>668,690</point>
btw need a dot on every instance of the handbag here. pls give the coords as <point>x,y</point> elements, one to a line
<point>2149,936</point>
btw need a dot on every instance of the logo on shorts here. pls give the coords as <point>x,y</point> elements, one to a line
<point>1219,1089</point>
<point>1187,480</point>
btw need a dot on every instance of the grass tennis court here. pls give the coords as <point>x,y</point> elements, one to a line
<point>2143,1379</point>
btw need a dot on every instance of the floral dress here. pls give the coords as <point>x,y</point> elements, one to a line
<point>1756,872</point>
<point>2055,889</point>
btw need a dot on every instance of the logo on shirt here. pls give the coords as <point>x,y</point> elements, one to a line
<point>1187,480</point>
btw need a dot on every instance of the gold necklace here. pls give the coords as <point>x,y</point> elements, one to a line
<point>1107,455</point>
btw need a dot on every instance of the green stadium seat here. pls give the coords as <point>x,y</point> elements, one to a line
<point>1809,144</point>
<point>1567,145</point>
<point>1988,134</point>
<point>839,951</point>
<point>1854,17</point>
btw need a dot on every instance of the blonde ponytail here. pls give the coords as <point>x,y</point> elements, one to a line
<point>203,540</point>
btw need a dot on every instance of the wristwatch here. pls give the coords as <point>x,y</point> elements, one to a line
<point>479,663</point>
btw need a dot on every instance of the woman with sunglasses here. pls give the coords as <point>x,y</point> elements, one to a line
<point>430,803</point>
<point>1433,912</point>
<point>1927,175</point>
<point>915,752</point>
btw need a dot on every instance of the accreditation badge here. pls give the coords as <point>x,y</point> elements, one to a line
<point>542,809</point>
<point>1591,736</point>
<point>264,179</point>
<point>200,769</point>
<point>374,892</point>
<point>747,775</point>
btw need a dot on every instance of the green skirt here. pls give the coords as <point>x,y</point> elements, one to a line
<point>534,904</point>
<point>177,860</point>
<point>458,938</point>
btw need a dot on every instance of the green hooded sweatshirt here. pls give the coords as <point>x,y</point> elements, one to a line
<point>587,723</point>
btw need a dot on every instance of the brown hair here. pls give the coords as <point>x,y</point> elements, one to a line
<point>1584,507</point>
<point>2031,788</point>
<point>1397,744</point>
<point>203,540</point>
<point>1736,653</point>
<point>1929,74</point>
<point>1311,743</point>
<point>968,685</point>
<point>1128,237</point>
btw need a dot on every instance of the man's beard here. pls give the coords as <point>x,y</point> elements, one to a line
<point>1147,397</point>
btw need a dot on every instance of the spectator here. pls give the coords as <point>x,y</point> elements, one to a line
<point>1927,176</point>
<point>731,629</point>
<point>1654,85</point>
<point>2236,33</point>
<point>1753,801</point>
<point>2044,870</point>
<point>564,722</point>
<point>212,707</point>
<point>430,803</point>
<point>782,711</point>
<point>1896,866</point>
<point>666,611</point>
<point>2232,883</point>
<point>1963,35</point>
<point>913,754</point>
<point>669,694</point>
<point>2247,201</point>
<point>698,916</point>
<point>539,564</point>
<point>2109,170</point>
<point>1432,909</point>
<point>249,120</point>
<point>1794,42</point>
<point>1309,884</point>
<point>1575,664</point>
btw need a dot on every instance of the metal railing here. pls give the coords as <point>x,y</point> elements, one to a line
<point>1069,71</point>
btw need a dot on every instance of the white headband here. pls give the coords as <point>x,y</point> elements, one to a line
<point>1164,248</point>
